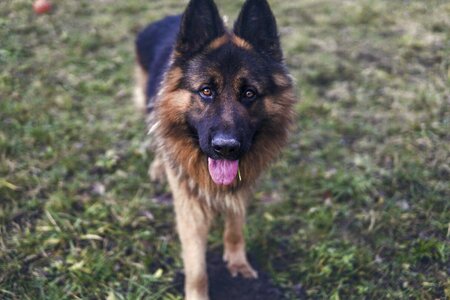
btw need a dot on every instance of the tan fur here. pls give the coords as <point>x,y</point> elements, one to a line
<point>193,226</point>
<point>157,171</point>
<point>240,42</point>
<point>141,78</point>
<point>229,37</point>
<point>282,80</point>
<point>234,247</point>
<point>219,42</point>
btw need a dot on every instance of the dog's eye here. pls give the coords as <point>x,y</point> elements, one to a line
<point>206,93</point>
<point>249,94</point>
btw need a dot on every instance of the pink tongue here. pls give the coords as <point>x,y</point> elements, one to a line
<point>223,171</point>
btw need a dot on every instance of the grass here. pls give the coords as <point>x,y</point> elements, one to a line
<point>357,207</point>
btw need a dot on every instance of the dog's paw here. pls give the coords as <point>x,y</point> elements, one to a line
<point>156,171</point>
<point>242,268</point>
<point>237,264</point>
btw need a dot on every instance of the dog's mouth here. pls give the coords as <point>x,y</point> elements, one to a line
<point>222,171</point>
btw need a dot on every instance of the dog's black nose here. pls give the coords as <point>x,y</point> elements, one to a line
<point>225,147</point>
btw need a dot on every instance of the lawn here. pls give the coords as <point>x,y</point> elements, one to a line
<point>357,207</point>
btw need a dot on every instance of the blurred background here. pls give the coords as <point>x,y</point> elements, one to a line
<point>356,208</point>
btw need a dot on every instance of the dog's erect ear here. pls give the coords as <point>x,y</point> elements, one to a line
<point>256,24</point>
<point>200,24</point>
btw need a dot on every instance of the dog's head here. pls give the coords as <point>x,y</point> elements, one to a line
<point>234,94</point>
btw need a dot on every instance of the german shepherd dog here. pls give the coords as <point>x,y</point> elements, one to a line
<point>220,107</point>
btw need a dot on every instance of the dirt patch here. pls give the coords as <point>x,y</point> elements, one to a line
<point>224,287</point>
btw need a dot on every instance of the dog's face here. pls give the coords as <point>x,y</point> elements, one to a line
<point>228,86</point>
<point>234,83</point>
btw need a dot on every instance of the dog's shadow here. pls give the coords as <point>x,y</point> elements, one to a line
<point>224,287</point>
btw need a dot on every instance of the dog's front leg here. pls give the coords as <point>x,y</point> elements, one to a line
<point>234,246</point>
<point>193,226</point>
